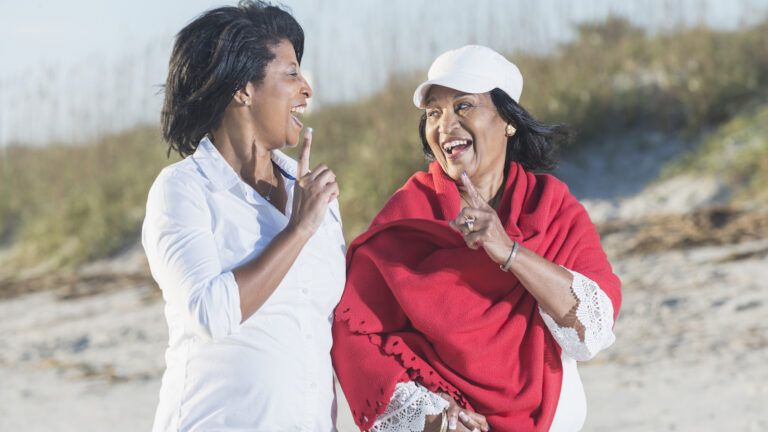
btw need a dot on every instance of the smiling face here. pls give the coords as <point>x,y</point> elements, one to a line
<point>465,133</point>
<point>279,99</point>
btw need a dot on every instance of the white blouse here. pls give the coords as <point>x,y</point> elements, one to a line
<point>272,372</point>
<point>411,403</point>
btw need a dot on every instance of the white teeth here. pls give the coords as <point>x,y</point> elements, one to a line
<point>298,109</point>
<point>450,145</point>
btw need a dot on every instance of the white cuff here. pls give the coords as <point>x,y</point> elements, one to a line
<point>408,408</point>
<point>214,308</point>
<point>594,311</point>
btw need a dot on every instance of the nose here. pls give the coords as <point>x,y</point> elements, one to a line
<point>306,89</point>
<point>448,122</point>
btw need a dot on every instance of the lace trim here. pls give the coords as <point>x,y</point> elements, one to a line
<point>408,408</point>
<point>417,369</point>
<point>594,311</point>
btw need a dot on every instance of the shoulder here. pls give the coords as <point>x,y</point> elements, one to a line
<point>548,180</point>
<point>557,193</point>
<point>419,185</point>
<point>415,199</point>
<point>180,181</point>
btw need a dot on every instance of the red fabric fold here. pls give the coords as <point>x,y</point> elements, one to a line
<point>420,305</point>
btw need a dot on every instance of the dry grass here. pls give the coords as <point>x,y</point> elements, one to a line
<point>713,226</point>
<point>62,206</point>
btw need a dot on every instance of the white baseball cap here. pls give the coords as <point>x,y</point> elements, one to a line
<point>472,69</point>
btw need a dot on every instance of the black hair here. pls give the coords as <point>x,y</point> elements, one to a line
<point>534,145</point>
<point>213,57</point>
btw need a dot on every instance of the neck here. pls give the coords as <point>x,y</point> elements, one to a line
<point>245,154</point>
<point>486,184</point>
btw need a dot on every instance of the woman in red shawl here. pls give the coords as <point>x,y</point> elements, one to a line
<point>480,284</point>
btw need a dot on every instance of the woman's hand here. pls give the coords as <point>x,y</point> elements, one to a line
<point>312,193</point>
<point>460,419</point>
<point>481,227</point>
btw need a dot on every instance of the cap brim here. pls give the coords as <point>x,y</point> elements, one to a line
<point>462,82</point>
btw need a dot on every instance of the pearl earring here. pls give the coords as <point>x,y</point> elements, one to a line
<point>509,130</point>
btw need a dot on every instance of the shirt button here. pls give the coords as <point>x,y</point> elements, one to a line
<point>313,386</point>
<point>304,291</point>
<point>307,336</point>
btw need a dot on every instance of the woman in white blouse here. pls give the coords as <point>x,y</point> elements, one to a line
<point>481,282</point>
<point>245,243</point>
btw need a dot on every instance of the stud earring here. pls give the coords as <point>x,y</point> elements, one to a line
<point>509,130</point>
<point>246,102</point>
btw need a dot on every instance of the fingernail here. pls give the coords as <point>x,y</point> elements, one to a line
<point>308,133</point>
<point>463,416</point>
<point>464,174</point>
<point>475,430</point>
<point>452,422</point>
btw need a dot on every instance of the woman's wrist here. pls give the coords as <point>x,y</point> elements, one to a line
<point>436,423</point>
<point>510,260</point>
<point>297,232</point>
<point>500,254</point>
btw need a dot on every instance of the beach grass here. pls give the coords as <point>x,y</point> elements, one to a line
<point>64,205</point>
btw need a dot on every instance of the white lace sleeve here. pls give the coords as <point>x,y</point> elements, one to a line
<point>594,311</point>
<point>408,408</point>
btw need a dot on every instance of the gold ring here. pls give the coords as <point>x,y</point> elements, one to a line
<point>470,224</point>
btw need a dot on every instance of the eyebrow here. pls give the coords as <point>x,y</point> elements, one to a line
<point>459,95</point>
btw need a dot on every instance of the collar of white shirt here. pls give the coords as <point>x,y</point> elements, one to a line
<point>222,177</point>
<point>220,173</point>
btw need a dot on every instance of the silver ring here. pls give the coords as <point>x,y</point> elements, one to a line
<point>470,224</point>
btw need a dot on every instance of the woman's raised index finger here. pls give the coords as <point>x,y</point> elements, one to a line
<point>474,195</point>
<point>305,149</point>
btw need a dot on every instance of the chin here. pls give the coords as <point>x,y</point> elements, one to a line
<point>452,171</point>
<point>291,141</point>
<point>455,174</point>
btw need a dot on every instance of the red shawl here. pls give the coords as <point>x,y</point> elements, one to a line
<point>420,305</point>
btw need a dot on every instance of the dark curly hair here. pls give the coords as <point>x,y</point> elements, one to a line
<point>534,145</point>
<point>213,57</point>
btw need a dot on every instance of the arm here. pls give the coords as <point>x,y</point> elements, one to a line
<point>547,282</point>
<point>312,193</point>
<point>577,312</point>
<point>592,322</point>
<point>259,278</point>
<point>183,255</point>
<point>574,308</point>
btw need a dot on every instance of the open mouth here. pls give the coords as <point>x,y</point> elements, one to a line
<point>456,147</point>
<point>297,111</point>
